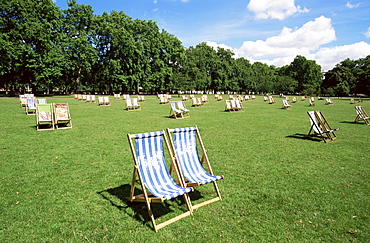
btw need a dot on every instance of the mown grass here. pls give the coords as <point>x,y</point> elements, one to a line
<point>70,185</point>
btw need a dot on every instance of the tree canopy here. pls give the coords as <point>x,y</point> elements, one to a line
<point>75,50</point>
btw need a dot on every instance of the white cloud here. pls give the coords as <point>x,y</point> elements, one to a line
<point>281,50</point>
<point>349,5</point>
<point>367,34</point>
<point>273,9</point>
<point>329,57</point>
<point>290,43</point>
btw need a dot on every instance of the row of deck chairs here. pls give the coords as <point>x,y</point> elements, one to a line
<point>50,116</point>
<point>189,167</point>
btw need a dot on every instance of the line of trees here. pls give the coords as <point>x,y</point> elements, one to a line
<point>74,50</point>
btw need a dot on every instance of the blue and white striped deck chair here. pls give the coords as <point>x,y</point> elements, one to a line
<point>175,111</point>
<point>181,105</point>
<point>31,106</point>
<point>185,143</point>
<point>151,168</point>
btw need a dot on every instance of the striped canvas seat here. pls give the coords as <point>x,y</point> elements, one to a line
<point>185,143</point>
<point>362,115</point>
<point>150,165</point>
<point>175,111</point>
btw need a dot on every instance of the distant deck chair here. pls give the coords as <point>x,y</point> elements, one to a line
<point>62,117</point>
<point>175,112</point>
<point>163,99</point>
<point>320,127</point>
<point>286,105</point>
<point>88,98</point>
<point>41,101</point>
<point>93,100</point>
<point>31,106</point>
<point>196,102</point>
<point>106,100</point>
<point>117,96</point>
<point>129,105</point>
<point>185,98</point>
<point>271,100</point>
<point>312,101</point>
<point>187,145</point>
<point>44,117</point>
<point>329,101</point>
<point>362,115</point>
<point>181,106</point>
<point>135,103</point>
<point>141,98</point>
<point>22,101</point>
<point>294,100</point>
<point>79,97</point>
<point>156,182</point>
<point>228,105</point>
<point>100,100</point>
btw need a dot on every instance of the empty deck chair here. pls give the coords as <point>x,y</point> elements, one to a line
<point>41,101</point>
<point>44,117</point>
<point>141,98</point>
<point>106,100</point>
<point>88,98</point>
<point>93,100</point>
<point>117,96</point>
<point>312,101</point>
<point>271,100</point>
<point>175,112</point>
<point>329,101</point>
<point>294,100</point>
<point>286,105</point>
<point>129,105</point>
<point>156,182</point>
<point>187,145</point>
<point>196,102</point>
<point>320,127</point>
<point>22,101</point>
<point>31,106</point>
<point>163,99</point>
<point>62,117</point>
<point>100,100</point>
<point>185,98</point>
<point>181,106</point>
<point>362,115</point>
<point>135,103</point>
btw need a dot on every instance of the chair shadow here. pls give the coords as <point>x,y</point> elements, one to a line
<point>304,137</point>
<point>118,197</point>
<point>352,122</point>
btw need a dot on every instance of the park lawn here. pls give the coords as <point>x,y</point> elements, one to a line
<point>70,185</point>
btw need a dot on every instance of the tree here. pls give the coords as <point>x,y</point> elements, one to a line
<point>307,73</point>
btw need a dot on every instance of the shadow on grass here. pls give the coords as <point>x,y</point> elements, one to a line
<point>352,122</point>
<point>304,137</point>
<point>118,197</point>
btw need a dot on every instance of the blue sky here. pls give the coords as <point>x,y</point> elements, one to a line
<point>269,31</point>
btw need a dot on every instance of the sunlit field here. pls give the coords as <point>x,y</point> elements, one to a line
<point>71,185</point>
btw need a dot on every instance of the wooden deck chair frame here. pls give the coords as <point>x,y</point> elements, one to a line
<point>362,115</point>
<point>320,127</point>
<point>44,117</point>
<point>135,103</point>
<point>187,145</point>
<point>62,116</point>
<point>175,111</point>
<point>156,182</point>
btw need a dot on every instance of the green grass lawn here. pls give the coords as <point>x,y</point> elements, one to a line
<point>70,185</point>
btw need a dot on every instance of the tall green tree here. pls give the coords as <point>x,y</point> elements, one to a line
<point>307,73</point>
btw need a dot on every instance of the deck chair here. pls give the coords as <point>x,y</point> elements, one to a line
<point>312,101</point>
<point>228,106</point>
<point>294,100</point>
<point>117,96</point>
<point>329,101</point>
<point>181,106</point>
<point>129,105</point>
<point>62,117</point>
<point>286,105</point>
<point>22,101</point>
<point>320,127</point>
<point>271,100</point>
<point>135,103</point>
<point>187,145</point>
<point>163,99</point>
<point>185,98</point>
<point>362,115</point>
<point>239,105</point>
<point>106,100</point>
<point>44,117</point>
<point>175,111</point>
<point>31,106</point>
<point>93,100</point>
<point>141,98</point>
<point>79,97</point>
<point>41,101</point>
<point>156,182</point>
<point>196,102</point>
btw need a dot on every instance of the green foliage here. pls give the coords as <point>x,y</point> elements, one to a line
<point>71,185</point>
